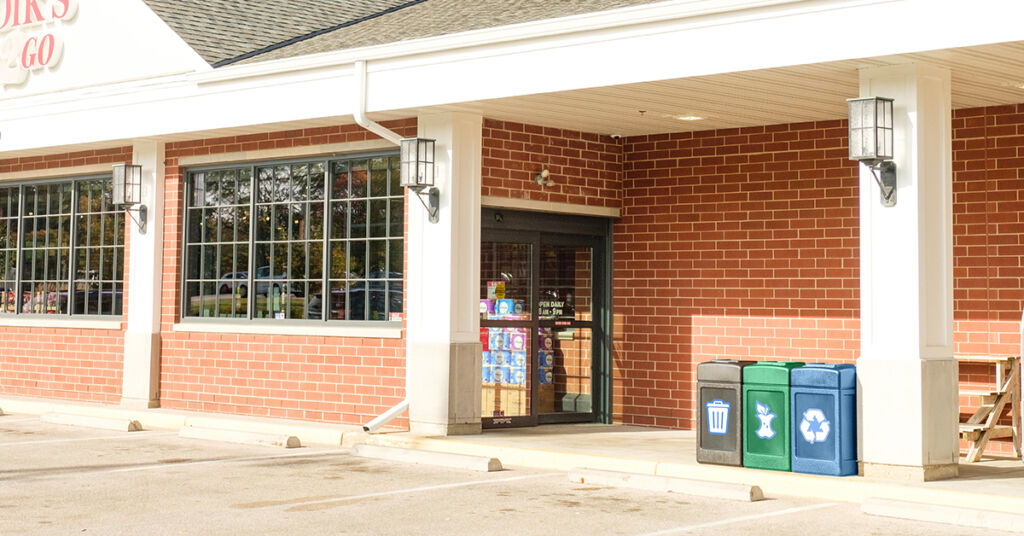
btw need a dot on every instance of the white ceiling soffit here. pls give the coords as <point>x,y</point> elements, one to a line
<point>981,76</point>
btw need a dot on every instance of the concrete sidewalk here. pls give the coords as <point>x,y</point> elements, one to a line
<point>992,485</point>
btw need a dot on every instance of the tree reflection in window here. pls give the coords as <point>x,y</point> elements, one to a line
<point>324,241</point>
<point>61,249</point>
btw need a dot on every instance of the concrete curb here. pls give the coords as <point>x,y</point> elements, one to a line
<point>234,436</point>
<point>700,488</point>
<point>772,483</point>
<point>950,515</point>
<point>426,457</point>
<point>163,419</point>
<point>90,421</point>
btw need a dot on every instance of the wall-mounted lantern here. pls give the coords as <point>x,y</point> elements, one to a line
<point>418,173</point>
<point>871,142</point>
<point>127,192</point>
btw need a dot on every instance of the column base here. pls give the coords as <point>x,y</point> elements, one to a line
<point>907,473</point>
<point>441,430</point>
<point>140,381</point>
<point>138,403</point>
<point>444,388</point>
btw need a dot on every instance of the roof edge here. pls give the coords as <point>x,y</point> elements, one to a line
<point>315,33</point>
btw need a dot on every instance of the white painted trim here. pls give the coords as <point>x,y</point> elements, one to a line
<point>37,322</point>
<point>601,20</point>
<point>367,332</point>
<point>287,152</point>
<point>75,171</point>
<point>547,206</point>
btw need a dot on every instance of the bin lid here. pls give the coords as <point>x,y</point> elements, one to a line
<point>770,372</point>
<point>721,370</point>
<point>827,376</point>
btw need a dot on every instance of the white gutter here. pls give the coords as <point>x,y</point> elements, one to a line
<point>360,111</point>
<point>645,14</point>
<point>380,130</point>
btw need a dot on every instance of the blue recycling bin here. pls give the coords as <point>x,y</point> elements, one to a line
<point>824,421</point>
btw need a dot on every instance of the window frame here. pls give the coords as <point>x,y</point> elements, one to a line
<point>187,174</point>
<point>18,315</point>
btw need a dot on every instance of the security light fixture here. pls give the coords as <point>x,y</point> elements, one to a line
<point>871,142</point>
<point>127,192</point>
<point>543,178</point>
<point>418,173</point>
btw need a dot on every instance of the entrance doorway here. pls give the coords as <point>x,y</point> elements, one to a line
<point>544,319</point>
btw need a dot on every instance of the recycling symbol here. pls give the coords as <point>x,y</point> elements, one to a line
<point>814,427</point>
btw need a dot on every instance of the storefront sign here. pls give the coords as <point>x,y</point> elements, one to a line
<point>30,40</point>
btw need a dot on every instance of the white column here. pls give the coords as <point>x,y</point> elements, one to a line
<point>907,376</point>
<point>443,339</point>
<point>141,379</point>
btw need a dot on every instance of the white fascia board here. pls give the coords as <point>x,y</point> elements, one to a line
<point>547,56</point>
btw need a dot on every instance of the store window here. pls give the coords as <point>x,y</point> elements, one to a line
<point>61,249</point>
<point>311,240</point>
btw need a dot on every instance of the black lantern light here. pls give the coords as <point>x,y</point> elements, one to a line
<point>417,170</point>
<point>871,141</point>
<point>127,192</point>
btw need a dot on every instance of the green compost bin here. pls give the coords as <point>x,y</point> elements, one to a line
<point>766,415</point>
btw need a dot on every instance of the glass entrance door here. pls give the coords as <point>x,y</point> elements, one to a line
<point>565,331</point>
<point>537,318</point>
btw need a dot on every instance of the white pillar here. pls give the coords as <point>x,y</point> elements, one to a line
<point>907,376</point>
<point>141,376</point>
<point>443,339</point>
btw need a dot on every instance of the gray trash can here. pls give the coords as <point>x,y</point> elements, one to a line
<point>719,412</point>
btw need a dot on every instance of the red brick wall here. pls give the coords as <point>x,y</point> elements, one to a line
<point>738,243</point>
<point>63,363</point>
<point>988,241</point>
<point>743,244</point>
<point>333,379</point>
<point>586,167</point>
<point>988,228</point>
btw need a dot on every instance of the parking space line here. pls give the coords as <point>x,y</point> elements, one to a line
<point>741,519</point>
<point>348,498</point>
<point>126,435</point>
<point>225,460</point>
<point>6,420</point>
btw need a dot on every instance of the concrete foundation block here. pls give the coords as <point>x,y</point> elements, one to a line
<point>426,457</point>
<point>700,488</point>
<point>93,421</point>
<point>235,436</point>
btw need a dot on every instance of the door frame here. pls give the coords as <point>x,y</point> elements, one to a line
<point>515,226</point>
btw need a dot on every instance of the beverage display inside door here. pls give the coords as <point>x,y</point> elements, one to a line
<point>505,305</point>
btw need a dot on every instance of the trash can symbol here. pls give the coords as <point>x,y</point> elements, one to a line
<point>718,417</point>
<point>718,409</point>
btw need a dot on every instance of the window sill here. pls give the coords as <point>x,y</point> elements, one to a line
<point>43,321</point>
<point>368,332</point>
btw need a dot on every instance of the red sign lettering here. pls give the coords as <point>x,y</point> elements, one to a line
<point>38,52</point>
<point>32,7</point>
<point>66,4</point>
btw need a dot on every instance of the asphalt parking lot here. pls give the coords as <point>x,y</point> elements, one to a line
<point>58,479</point>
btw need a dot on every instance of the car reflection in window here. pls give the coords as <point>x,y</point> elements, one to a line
<point>350,302</point>
<point>238,283</point>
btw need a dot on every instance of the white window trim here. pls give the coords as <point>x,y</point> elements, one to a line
<point>367,332</point>
<point>47,321</point>
<point>326,151</point>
